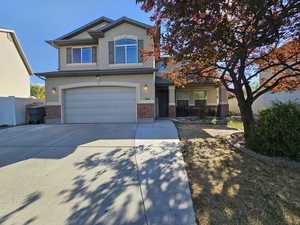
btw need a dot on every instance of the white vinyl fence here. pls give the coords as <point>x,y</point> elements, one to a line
<point>13,110</point>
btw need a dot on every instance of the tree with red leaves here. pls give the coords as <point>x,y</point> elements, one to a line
<point>232,42</point>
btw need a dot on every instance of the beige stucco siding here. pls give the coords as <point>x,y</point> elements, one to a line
<point>124,30</point>
<point>233,105</point>
<point>14,77</point>
<point>187,94</point>
<point>139,80</point>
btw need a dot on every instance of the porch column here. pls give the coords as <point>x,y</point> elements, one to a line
<point>172,105</point>
<point>223,107</point>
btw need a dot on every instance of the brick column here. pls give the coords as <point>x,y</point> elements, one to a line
<point>53,114</point>
<point>172,98</point>
<point>145,111</point>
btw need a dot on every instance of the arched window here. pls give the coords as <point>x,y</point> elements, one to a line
<point>126,51</point>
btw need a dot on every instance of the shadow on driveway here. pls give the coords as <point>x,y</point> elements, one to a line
<point>86,177</point>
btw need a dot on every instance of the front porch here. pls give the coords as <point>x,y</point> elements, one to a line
<point>196,100</point>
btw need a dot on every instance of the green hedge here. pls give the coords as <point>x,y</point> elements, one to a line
<point>277,132</point>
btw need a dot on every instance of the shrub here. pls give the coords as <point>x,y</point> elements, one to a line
<point>277,132</point>
<point>231,113</point>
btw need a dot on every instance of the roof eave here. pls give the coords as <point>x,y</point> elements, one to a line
<point>74,73</point>
<point>72,42</point>
<point>123,20</point>
<point>85,27</point>
<point>96,34</point>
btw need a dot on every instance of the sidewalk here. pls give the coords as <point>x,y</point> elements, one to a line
<point>162,175</point>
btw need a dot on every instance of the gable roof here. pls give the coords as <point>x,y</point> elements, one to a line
<point>100,32</point>
<point>19,48</point>
<point>85,27</point>
<point>121,20</point>
<point>95,34</point>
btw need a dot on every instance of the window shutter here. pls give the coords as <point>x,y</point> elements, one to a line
<point>69,55</point>
<point>140,46</point>
<point>111,52</point>
<point>94,55</point>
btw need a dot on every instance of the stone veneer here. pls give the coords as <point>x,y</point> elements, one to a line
<point>145,111</point>
<point>53,113</point>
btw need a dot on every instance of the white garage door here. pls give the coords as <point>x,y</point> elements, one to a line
<point>99,105</point>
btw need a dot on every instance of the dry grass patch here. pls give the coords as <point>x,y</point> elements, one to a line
<point>231,188</point>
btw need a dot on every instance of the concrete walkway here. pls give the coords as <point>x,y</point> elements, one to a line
<point>162,175</point>
<point>104,174</point>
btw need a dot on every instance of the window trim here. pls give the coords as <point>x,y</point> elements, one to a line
<point>195,99</point>
<point>125,45</point>
<point>201,98</point>
<point>82,63</point>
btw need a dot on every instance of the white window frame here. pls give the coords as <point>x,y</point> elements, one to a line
<point>125,45</point>
<point>91,47</point>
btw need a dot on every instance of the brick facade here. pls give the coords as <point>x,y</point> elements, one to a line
<point>172,111</point>
<point>53,113</point>
<point>212,110</point>
<point>145,111</point>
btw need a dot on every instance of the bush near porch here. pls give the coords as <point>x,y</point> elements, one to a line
<point>277,132</point>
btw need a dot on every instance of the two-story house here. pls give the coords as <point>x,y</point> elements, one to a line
<point>15,70</point>
<point>103,78</point>
<point>15,73</point>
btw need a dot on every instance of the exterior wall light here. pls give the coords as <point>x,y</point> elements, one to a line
<point>53,91</point>
<point>146,88</point>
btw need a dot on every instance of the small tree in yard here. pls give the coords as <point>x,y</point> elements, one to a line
<point>231,42</point>
<point>37,91</point>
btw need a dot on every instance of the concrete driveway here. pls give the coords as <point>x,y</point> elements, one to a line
<point>104,174</point>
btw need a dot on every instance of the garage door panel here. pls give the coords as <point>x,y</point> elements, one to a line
<point>94,96</point>
<point>100,104</point>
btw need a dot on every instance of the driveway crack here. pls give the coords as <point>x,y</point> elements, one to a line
<point>138,175</point>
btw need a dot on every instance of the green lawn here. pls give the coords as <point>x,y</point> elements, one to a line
<point>235,124</point>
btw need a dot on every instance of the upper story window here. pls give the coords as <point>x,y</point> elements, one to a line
<point>126,51</point>
<point>81,55</point>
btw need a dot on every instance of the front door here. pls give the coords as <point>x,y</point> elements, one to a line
<point>163,103</point>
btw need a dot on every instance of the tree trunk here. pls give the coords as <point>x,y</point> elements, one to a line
<point>247,118</point>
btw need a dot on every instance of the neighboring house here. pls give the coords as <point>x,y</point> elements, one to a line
<point>14,68</point>
<point>268,99</point>
<point>15,74</point>
<point>103,78</point>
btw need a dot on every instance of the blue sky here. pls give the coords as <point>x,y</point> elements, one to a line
<point>36,21</point>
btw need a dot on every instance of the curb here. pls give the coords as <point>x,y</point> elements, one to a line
<point>277,161</point>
